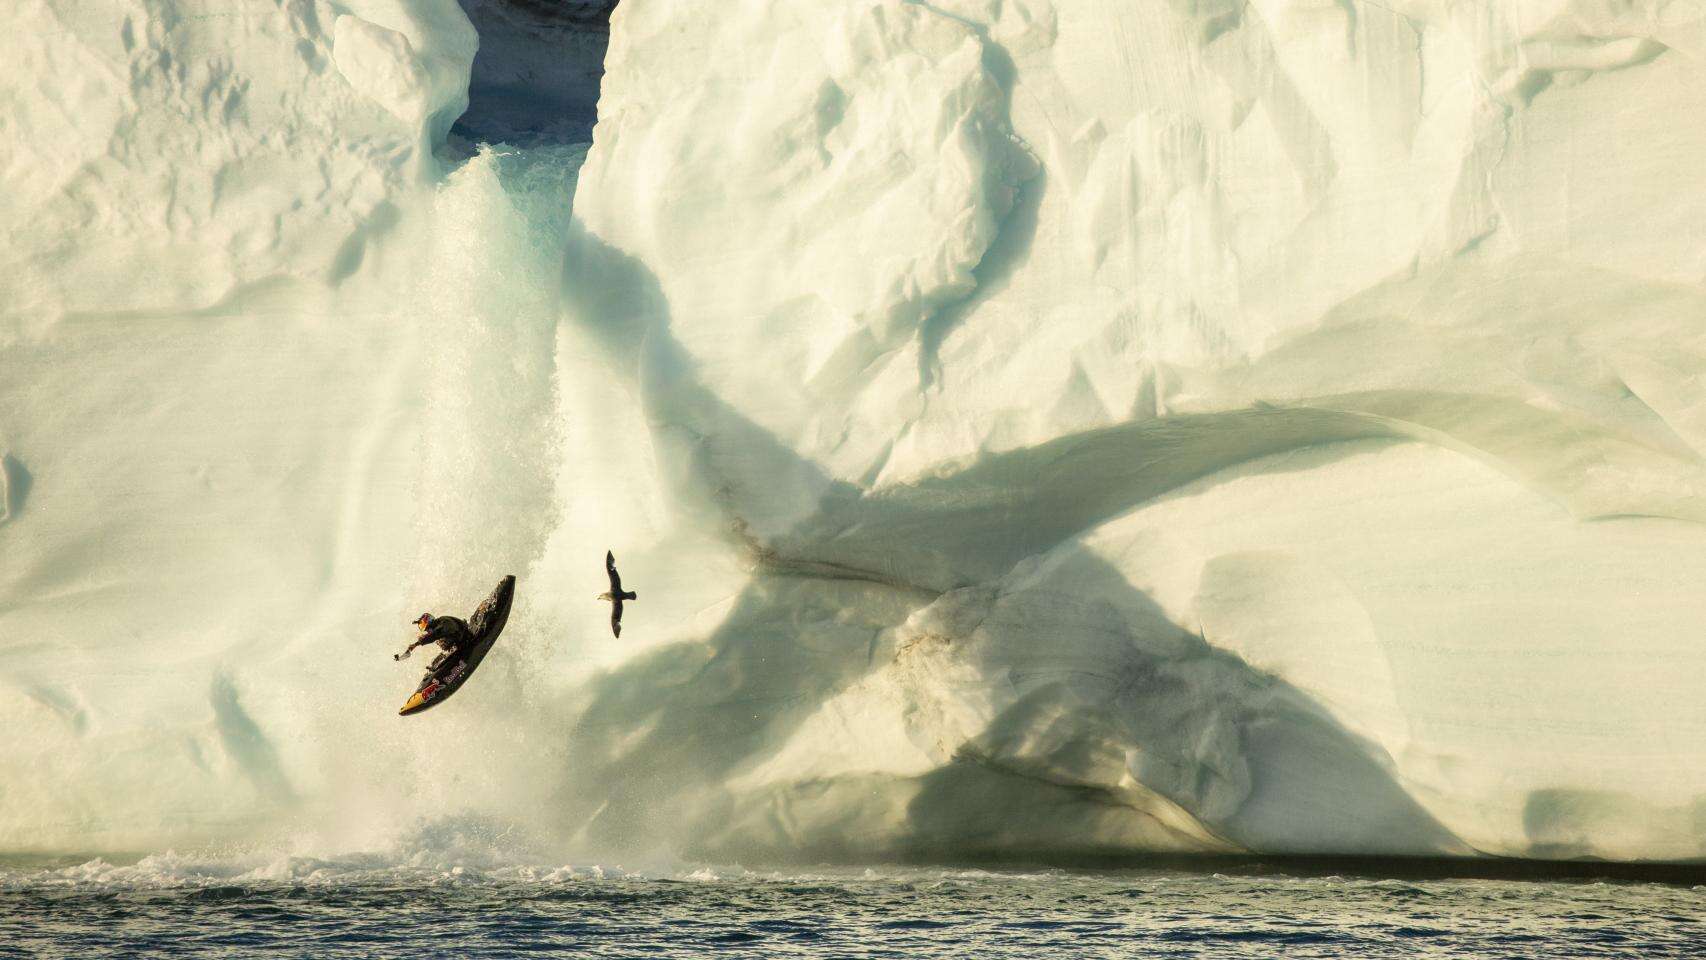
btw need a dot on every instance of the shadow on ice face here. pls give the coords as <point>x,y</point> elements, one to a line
<point>1105,727</point>
<point>15,483</point>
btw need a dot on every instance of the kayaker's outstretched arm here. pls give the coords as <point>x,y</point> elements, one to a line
<point>432,630</point>
<point>411,648</point>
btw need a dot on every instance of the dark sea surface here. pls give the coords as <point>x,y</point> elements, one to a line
<point>301,907</point>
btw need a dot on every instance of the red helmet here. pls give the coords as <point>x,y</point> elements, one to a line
<point>424,621</point>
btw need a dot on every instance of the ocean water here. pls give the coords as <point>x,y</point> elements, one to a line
<point>301,907</point>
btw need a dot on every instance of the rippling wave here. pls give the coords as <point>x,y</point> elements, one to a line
<point>432,903</point>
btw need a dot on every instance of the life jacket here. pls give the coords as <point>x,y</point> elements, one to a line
<point>450,633</point>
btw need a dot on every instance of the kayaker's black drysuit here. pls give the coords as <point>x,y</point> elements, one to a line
<point>450,633</point>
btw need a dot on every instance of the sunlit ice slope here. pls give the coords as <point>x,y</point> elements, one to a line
<point>1033,429</point>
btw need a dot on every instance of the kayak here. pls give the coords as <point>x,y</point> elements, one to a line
<point>485,625</point>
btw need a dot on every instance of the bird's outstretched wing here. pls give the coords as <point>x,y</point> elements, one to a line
<point>616,618</point>
<point>610,568</point>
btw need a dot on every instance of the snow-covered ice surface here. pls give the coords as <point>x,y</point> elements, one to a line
<point>1033,428</point>
<point>165,156</point>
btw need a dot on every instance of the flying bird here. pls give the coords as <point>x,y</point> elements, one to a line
<point>616,594</point>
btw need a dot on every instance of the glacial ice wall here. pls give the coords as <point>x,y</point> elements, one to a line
<point>1033,427</point>
<point>1277,419</point>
